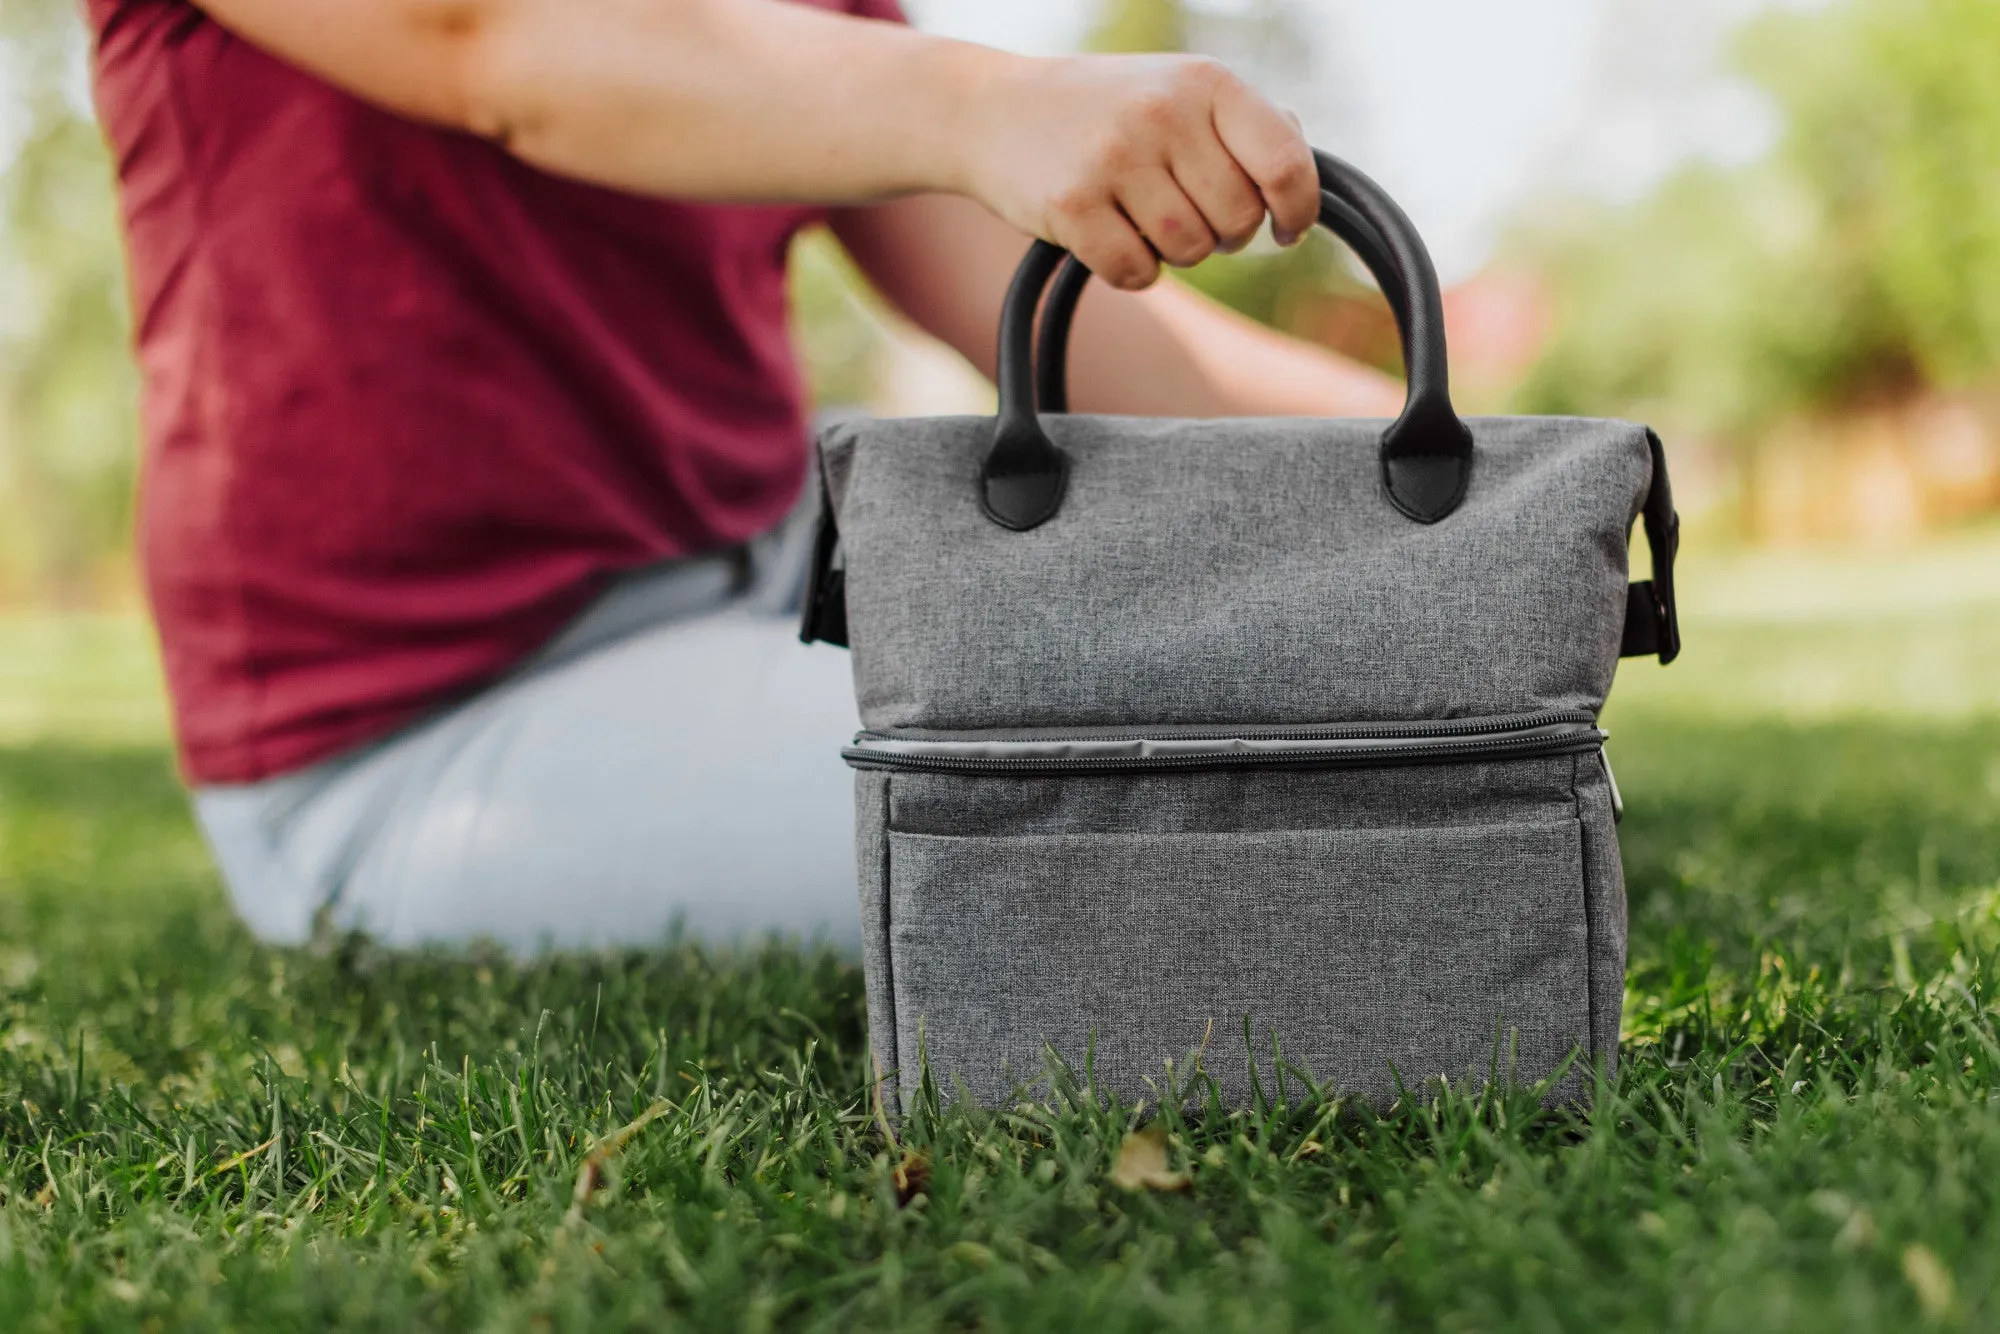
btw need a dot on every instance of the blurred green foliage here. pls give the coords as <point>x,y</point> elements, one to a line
<point>1140,25</point>
<point>67,386</point>
<point>838,322</point>
<point>1859,262</point>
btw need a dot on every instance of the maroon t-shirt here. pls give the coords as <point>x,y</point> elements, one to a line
<point>408,401</point>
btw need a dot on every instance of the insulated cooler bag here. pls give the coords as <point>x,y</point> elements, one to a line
<point>1182,733</point>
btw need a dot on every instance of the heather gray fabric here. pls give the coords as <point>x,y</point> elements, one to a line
<point>1220,877</point>
<point>1532,791</point>
<point>1383,926</point>
<point>1232,572</point>
<point>1604,877</point>
<point>1367,954</point>
<point>871,852</point>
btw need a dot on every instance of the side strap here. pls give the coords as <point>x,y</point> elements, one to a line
<point>1652,617</point>
<point>824,619</point>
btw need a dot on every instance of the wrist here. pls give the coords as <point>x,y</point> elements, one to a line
<point>971,90</point>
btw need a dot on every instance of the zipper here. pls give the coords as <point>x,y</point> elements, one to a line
<point>1116,750</point>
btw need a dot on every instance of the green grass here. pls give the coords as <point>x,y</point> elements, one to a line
<point>196,1132</point>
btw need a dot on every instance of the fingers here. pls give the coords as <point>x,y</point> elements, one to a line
<point>1097,232</point>
<point>1269,147</point>
<point>1167,218</point>
<point>1128,160</point>
<point>1227,198</point>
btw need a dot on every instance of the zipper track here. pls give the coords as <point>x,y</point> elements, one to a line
<point>1442,727</point>
<point>1345,746</point>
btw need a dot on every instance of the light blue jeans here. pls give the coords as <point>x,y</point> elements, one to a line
<point>671,760</point>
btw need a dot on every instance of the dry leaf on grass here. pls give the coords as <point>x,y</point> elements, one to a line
<point>913,1170</point>
<point>591,1175</point>
<point>1931,1281</point>
<point>1142,1162</point>
<point>913,1177</point>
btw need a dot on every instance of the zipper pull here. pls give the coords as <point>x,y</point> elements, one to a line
<point>1617,801</point>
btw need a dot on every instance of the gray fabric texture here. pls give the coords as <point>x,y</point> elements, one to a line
<point>1399,923</point>
<point>871,855</point>
<point>1534,791</point>
<point>1232,572</point>
<point>1604,880</point>
<point>1365,955</point>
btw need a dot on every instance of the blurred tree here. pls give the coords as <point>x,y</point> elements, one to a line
<point>67,387</point>
<point>1140,25</point>
<point>838,321</point>
<point>1858,264</point>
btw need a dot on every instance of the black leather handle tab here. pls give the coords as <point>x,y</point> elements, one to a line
<point>1426,454</point>
<point>1021,485</point>
<point>1059,307</point>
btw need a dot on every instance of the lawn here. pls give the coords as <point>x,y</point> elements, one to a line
<point>196,1132</point>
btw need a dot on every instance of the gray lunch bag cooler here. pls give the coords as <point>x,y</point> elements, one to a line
<point>1179,732</point>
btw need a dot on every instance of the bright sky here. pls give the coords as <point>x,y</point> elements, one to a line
<point>1465,108</point>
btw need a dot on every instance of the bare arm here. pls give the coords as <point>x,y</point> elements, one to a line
<point>945,262</point>
<point>1123,159</point>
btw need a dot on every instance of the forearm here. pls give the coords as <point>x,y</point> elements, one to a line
<point>1171,351</point>
<point>744,100</point>
<point>730,99</point>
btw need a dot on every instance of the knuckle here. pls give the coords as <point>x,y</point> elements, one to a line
<point>1240,221</point>
<point>1114,153</point>
<point>1201,75</point>
<point>1151,113</point>
<point>1074,204</point>
<point>1293,173</point>
<point>1178,236</point>
<point>1185,246</point>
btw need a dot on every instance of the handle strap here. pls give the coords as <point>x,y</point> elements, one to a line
<point>1426,454</point>
<point>1059,307</point>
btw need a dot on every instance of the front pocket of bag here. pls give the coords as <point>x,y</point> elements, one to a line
<point>1371,956</point>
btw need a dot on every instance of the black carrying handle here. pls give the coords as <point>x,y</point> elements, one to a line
<point>1426,454</point>
<point>1059,307</point>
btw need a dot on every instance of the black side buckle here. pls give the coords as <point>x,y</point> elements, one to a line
<point>824,619</point>
<point>1645,619</point>
<point>1652,613</point>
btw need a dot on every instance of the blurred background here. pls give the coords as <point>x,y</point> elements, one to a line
<point>1771,228</point>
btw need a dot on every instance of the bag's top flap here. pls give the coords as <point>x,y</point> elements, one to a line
<point>1226,572</point>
